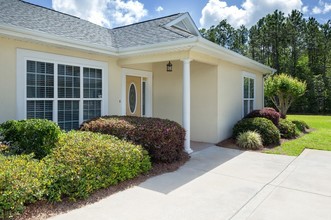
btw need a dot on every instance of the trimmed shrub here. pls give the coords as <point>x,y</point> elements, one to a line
<point>268,113</point>
<point>36,136</point>
<point>250,140</point>
<point>21,182</point>
<point>287,129</point>
<point>86,161</point>
<point>163,139</point>
<point>301,125</point>
<point>268,131</point>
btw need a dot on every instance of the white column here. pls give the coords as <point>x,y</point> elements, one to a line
<point>187,104</point>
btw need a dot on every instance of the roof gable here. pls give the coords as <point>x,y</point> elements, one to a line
<point>151,32</point>
<point>184,23</point>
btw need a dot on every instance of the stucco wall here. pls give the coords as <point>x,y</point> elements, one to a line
<point>167,97</point>
<point>204,102</point>
<point>8,74</point>
<point>230,96</point>
<point>216,91</point>
<point>167,91</point>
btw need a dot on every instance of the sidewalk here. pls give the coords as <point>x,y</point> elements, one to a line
<point>220,183</point>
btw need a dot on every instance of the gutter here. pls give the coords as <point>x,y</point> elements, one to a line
<point>231,54</point>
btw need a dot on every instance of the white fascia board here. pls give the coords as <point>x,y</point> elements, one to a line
<point>32,35</point>
<point>198,44</point>
<point>230,55</point>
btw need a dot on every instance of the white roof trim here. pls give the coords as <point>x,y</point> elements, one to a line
<point>198,44</point>
<point>188,22</point>
<point>229,55</point>
<point>32,35</point>
<point>194,43</point>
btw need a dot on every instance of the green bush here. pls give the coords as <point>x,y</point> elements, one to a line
<point>268,131</point>
<point>250,140</point>
<point>163,139</point>
<point>21,182</point>
<point>287,129</point>
<point>86,161</point>
<point>36,136</point>
<point>301,125</point>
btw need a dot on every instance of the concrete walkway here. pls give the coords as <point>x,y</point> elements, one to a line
<point>219,183</point>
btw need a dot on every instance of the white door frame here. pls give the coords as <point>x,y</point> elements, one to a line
<point>149,81</point>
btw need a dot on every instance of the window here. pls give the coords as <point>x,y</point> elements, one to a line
<point>63,89</point>
<point>144,97</point>
<point>132,98</point>
<point>248,93</point>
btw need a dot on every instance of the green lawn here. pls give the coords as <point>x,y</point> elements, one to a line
<point>319,138</point>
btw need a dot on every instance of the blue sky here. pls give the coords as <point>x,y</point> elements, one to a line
<point>112,13</point>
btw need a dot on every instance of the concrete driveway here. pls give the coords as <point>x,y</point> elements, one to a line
<point>219,183</point>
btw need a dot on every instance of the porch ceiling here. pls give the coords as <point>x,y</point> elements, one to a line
<point>179,54</point>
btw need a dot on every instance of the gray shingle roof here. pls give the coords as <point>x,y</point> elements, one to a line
<point>149,32</point>
<point>36,18</point>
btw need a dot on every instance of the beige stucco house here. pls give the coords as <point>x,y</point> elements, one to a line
<point>60,67</point>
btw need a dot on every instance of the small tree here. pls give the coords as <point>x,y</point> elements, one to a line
<point>283,90</point>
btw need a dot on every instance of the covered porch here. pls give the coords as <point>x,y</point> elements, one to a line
<point>188,94</point>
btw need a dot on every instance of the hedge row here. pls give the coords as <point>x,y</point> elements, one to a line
<point>36,136</point>
<point>22,181</point>
<point>163,139</point>
<point>270,125</point>
<point>80,163</point>
<point>86,161</point>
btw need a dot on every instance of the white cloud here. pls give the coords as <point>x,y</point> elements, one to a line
<point>159,9</point>
<point>323,8</point>
<point>108,13</point>
<point>305,9</point>
<point>327,8</point>
<point>247,14</point>
<point>316,10</point>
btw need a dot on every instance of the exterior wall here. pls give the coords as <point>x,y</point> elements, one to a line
<point>8,74</point>
<point>204,103</point>
<point>216,91</point>
<point>230,96</point>
<point>167,97</point>
<point>167,91</point>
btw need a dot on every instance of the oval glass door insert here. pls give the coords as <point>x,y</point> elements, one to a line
<point>132,98</point>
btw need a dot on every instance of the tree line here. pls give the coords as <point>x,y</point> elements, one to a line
<point>292,44</point>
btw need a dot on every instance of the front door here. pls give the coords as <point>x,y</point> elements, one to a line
<point>133,96</point>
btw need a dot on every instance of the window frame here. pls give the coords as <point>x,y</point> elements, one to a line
<point>21,82</point>
<point>249,76</point>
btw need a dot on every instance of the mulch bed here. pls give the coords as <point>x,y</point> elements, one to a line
<point>231,143</point>
<point>43,209</point>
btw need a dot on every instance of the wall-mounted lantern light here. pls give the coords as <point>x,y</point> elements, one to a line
<point>169,67</point>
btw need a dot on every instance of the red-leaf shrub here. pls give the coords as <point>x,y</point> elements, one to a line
<point>163,139</point>
<point>268,113</point>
